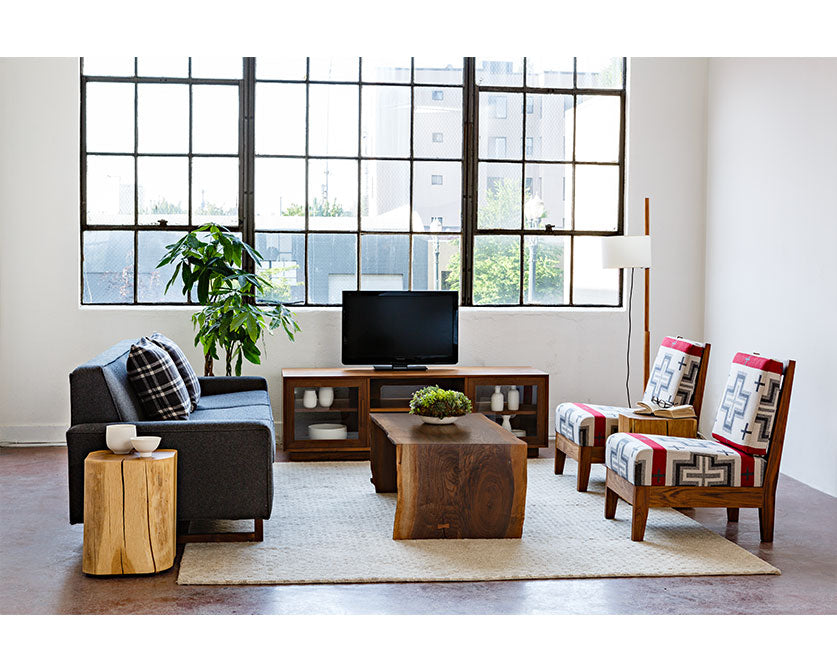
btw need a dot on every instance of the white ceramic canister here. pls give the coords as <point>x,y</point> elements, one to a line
<point>497,400</point>
<point>309,398</point>
<point>326,396</point>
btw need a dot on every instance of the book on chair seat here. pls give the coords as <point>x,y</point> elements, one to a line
<point>653,408</point>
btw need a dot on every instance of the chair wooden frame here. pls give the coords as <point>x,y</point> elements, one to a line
<point>763,498</point>
<point>590,455</point>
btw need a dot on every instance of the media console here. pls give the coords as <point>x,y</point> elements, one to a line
<point>357,392</point>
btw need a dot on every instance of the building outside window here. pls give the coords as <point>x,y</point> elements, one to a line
<point>348,173</point>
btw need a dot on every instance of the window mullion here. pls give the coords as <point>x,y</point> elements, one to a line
<point>469,178</point>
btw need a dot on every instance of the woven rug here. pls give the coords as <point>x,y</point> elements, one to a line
<point>329,526</point>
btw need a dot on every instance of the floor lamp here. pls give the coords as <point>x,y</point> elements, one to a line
<point>632,252</point>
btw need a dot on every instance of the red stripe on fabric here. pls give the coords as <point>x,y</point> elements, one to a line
<point>683,346</point>
<point>658,459</point>
<point>748,468</point>
<point>760,363</point>
<point>747,449</point>
<point>599,419</point>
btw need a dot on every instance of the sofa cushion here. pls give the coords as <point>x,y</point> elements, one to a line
<point>647,459</point>
<point>235,399</point>
<point>184,368</point>
<point>675,372</point>
<point>749,403</point>
<point>157,382</point>
<point>237,414</point>
<point>587,424</point>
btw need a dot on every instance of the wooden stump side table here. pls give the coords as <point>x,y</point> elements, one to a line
<point>636,423</point>
<point>129,512</point>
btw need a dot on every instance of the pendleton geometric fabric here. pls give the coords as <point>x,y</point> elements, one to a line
<point>157,382</point>
<point>748,406</point>
<point>675,372</point>
<point>587,424</point>
<point>190,379</point>
<point>644,459</point>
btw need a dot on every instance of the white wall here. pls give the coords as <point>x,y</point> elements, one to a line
<point>771,276</point>
<point>44,333</point>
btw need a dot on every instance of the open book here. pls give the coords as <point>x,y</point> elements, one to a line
<point>653,408</point>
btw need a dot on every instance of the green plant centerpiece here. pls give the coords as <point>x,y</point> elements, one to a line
<point>436,406</point>
<point>236,311</point>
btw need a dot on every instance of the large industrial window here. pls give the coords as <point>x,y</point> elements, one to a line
<point>490,176</point>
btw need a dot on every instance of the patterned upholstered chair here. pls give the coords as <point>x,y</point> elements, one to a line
<point>581,430</point>
<point>738,468</point>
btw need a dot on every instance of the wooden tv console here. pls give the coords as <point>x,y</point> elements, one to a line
<point>357,392</point>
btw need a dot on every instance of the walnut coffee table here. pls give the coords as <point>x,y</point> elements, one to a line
<point>461,481</point>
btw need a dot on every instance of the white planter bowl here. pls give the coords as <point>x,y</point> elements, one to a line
<point>145,445</point>
<point>326,430</point>
<point>439,421</point>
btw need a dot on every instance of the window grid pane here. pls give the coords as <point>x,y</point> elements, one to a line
<point>572,167</point>
<point>358,163</point>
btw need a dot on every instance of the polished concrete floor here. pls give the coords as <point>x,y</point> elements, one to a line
<point>40,563</point>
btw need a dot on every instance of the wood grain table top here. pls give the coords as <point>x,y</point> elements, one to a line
<point>475,428</point>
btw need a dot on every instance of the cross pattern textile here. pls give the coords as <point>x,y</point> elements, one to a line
<point>587,424</point>
<point>155,379</point>
<point>749,403</point>
<point>675,372</point>
<point>184,368</point>
<point>645,459</point>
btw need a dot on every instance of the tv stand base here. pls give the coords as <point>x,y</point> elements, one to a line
<point>400,367</point>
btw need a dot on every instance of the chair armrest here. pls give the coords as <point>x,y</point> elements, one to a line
<point>225,467</point>
<point>225,384</point>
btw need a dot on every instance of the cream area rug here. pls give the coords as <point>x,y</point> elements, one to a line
<point>329,526</point>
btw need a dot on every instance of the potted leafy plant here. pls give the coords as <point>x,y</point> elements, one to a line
<point>235,312</point>
<point>436,406</point>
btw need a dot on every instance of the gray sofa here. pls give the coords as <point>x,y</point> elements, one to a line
<point>225,448</point>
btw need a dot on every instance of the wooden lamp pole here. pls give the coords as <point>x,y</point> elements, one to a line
<point>647,354</point>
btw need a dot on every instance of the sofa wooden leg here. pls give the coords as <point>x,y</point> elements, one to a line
<point>560,458</point>
<point>639,515</point>
<point>185,537</point>
<point>766,515</point>
<point>585,457</point>
<point>611,500</point>
<point>732,515</point>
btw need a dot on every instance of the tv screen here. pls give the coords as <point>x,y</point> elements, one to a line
<point>400,328</point>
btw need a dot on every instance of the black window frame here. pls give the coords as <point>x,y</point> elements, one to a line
<point>469,165</point>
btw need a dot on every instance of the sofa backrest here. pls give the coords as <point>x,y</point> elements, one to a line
<point>100,391</point>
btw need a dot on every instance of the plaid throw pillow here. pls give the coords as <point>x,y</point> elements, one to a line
<point>158,385</point>
<point>190,379</point>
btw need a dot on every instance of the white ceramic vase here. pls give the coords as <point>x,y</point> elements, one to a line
<point>507,422</point>
<point>497,400</point>
<point>513,399</point>
<point>118,438</point>
<point>326,396</point>
<point>309,399</point>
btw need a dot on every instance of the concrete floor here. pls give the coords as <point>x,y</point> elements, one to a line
<point>40,562</point>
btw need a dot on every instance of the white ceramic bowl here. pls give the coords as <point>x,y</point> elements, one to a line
<point>145,445</point>
<point>439,421</point>
<point>327,430</point>
<point>118,438</point>
<point>520,433</point>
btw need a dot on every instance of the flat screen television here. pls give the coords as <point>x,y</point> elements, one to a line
<point>401,330</point>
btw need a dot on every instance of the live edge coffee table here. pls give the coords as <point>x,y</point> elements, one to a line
<point>461,481</point>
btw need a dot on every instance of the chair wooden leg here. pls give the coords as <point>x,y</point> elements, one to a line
<point>639,515</point>
<point>766,515</point>
<point>560,457</point>
<point>585,456</point>
<point>732,515</point>
<point>611,500</point>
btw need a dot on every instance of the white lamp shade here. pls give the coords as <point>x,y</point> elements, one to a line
<point>626,252</point>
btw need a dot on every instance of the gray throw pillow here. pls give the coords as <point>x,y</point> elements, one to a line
<point>157,382</point>
<point>190,378</point>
